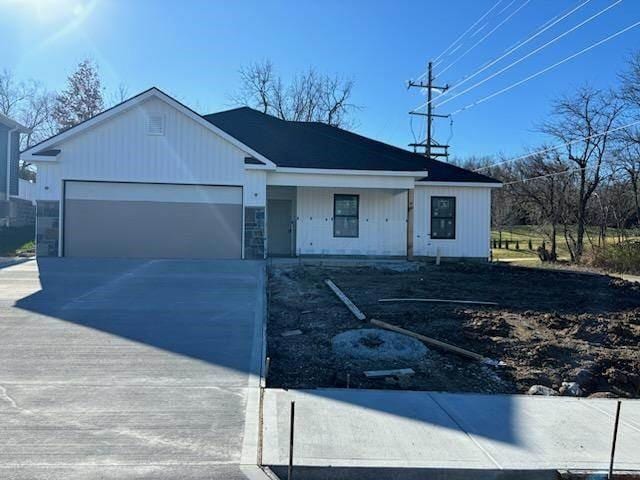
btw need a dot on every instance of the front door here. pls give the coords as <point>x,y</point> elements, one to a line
<point>280,228</point>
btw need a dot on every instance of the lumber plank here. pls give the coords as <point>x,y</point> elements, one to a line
<point>350,305</point>
<point>398,372</point>
<point>291,333</point>
<point>432,341</point>
<point>435,300</point>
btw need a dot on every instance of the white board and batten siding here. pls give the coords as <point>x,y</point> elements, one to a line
<point>382,222</point>
<point>473,222</point>
<point>122,150</point>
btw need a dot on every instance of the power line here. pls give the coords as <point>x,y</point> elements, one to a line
<point>544,70</point>
<point>487,35</point>
<point>548,24</point>
<point>543,28</point>
<point>563,172</point>
<point>533,52</point>
<point>556,147</point>
<point>464,33</point>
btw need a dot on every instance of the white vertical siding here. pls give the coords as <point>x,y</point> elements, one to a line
<point>48,181</point>
<point>120,150</point>
<point>26,189</point>
<point>255,188</point>
<point>382,226</point>
<point>473,222</point>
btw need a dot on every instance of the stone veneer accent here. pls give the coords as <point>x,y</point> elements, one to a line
<point>47,227</point>
<point>254,233</point>
<point>21,212</point>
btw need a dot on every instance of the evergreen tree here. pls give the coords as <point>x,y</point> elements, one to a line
<point>82,99</point>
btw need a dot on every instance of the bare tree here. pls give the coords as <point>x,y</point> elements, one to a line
<point>540,188</point>
<point>29,103</point>
<point>581,121</point>
<point>82,99</point>
<point>12,94</point>
<point>628,140</point>
<point>120,94</point>
<point>309,97</point>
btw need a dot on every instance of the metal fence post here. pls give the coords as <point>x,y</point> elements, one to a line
<point>291,424</point>
<point>615,436</point>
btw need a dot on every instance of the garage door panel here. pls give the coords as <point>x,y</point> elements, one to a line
<point>112,226</point>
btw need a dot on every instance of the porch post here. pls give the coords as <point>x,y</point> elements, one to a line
<point>410,193</point>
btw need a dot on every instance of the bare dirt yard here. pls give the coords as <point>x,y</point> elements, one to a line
<point>549,327</point>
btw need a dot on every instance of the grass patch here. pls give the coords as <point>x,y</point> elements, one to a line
<point>520,235</point>
<point>623,257</point>
<point>17,240</point>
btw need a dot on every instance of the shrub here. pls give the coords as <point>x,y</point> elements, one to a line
<point>621,257</point>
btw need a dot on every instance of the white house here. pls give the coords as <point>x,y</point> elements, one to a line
<point>152,178</point>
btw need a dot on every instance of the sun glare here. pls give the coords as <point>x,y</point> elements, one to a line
<point>47,11</point>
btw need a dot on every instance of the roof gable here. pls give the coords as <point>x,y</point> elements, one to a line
<point>49,144</point>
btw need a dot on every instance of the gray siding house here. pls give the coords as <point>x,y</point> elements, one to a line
<point>14,211</point>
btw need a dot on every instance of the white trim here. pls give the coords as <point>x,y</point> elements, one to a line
<point>61,220</point>
<point>249,166</point>
<point>106,115</point>
<point>338,171</point>
<point>9,122</point>
<point>339,180</point>
<point>459,184</point>
<point>9,142</point>
<point>39,158</point>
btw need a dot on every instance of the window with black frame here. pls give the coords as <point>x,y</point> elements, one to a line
<point>443,218</point>
<point>345,215</point>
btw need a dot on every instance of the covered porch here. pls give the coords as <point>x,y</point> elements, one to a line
<point>360,218</point>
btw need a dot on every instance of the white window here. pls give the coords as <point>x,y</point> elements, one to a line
<point>443,218</point>
<point>345,215</point>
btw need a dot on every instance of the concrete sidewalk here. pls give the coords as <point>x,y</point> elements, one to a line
<point>378,428</point>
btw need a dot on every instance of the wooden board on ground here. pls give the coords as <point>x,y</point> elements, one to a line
<point>399,372</point>
<point>433,341</point>
<point>291,333</point>
<point>350,305</point>
<point>434,300</point>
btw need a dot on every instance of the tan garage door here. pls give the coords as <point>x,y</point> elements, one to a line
<point>143,220</point>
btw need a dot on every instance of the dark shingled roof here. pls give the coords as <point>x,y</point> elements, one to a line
<point>317,145</point>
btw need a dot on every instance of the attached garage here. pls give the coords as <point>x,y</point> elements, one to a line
<point>149,220</point>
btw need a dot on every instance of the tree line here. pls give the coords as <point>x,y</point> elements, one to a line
<point>586,175</point>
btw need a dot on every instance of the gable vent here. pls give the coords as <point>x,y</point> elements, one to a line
<point>155,124</point>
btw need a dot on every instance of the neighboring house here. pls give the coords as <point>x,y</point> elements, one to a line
<point>14,211</point>
<point>152,178</point>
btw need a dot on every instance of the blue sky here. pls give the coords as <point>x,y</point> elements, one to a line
<point>193,50</point>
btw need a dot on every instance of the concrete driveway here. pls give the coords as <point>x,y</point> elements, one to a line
<point>129,369</point>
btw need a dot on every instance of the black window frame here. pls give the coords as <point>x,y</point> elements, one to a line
<point>336,196</point>
<point>452,218</point>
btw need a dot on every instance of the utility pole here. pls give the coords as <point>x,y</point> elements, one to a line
<point>432,148</point>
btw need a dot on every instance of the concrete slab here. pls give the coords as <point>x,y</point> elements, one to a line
<point>129,369</point>
<point>372,428</point>
<point>375,428</point>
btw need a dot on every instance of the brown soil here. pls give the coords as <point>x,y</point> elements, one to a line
<point>549,327</point>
